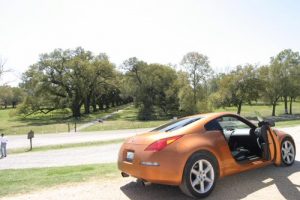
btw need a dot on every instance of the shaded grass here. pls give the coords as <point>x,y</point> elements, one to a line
<point>64,146</point>
<point>15,181</point>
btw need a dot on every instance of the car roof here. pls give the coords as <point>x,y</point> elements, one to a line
<point>213,114</point>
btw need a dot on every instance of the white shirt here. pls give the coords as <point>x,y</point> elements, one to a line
<point>4,140</point>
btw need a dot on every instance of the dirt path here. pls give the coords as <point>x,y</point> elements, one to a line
<point>268,183</point>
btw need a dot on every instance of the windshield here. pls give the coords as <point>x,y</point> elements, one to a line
<point>176,124</point>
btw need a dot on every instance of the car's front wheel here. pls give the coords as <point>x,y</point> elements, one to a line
<point>288,152</point>
<point>200,175</point>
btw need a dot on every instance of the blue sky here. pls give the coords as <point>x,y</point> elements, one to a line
<point>229,32</point>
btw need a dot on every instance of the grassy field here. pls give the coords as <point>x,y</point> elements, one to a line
<point>58,121</point>
<point>25,180</point>
<point>127,119</point>
<point>289,123</point>
<point>53,122</point>
<point>264,110</point>
<point>65,146</point>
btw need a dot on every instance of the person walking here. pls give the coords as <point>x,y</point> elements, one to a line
<point>3,141</point>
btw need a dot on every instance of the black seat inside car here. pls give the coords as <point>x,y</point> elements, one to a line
<point>262,141</point>
<point>240,153</point>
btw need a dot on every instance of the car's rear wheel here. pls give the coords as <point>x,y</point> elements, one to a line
<point>288,152</point>
<point>200,175</point>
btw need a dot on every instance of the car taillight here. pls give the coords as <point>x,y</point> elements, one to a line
<point>160,144</point>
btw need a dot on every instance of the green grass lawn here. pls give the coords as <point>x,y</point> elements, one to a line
<point>54,122</point>
<point>289,123</point>
<point>264,110</point>
<point>126,119</point>
<point>64,146</point>
<point>58,121</point>
<point>14,181</point>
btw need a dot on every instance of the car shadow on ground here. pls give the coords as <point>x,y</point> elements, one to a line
<point>233,187</point>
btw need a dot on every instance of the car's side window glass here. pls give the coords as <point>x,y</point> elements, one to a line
<point>231,123</point>
<point>213,126</point>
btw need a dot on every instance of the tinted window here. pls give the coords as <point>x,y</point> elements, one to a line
<point>228,123</point>
<point>176,124</point>
<point>213,126</point>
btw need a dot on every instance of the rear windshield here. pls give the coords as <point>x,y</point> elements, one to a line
<point>176,124</point>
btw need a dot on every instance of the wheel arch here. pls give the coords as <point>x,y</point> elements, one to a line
<point>281,138</point>
<point>205,151</point>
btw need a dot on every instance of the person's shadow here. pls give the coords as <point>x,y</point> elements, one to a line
<point>233,187</point>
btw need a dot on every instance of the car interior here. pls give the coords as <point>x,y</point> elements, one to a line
<point>246,142</point>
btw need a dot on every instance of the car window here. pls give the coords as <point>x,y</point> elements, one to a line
<point>213,126</point>
<point>176,124</point>
<point>232,123</point>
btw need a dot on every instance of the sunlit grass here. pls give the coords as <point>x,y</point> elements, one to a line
<point>14,181</point>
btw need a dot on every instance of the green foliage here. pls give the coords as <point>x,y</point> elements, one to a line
<point>153,87</point>
<point>199,71</point>
<point>10,96</point>
<point>240,86</point>
<point>69,79</point>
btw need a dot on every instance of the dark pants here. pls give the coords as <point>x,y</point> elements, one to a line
<point>3,149</point>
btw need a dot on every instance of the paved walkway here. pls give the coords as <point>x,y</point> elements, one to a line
<point>64,157</point>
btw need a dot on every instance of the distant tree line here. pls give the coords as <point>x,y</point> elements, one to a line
<point>83,82</point>
<point>10,96</point>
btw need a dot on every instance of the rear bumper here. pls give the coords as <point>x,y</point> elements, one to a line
<point>168,172</point>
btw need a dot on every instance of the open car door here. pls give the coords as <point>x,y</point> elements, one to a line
<point>265,140</point>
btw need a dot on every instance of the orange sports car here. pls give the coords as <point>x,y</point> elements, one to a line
<point>193,152</point>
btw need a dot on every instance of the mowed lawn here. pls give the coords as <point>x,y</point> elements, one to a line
<point>126,119</point>
<point>248,111</point>
<point>54,122</point>
<point>14,181</point>
<point>58,121</point>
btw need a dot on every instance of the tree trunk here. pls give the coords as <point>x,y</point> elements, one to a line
<point>273,108</point>
<point>239,108</point>
<point>76,110</point>
<point>87,104</point>
<point>286,105</point>
<point>101,106</point>
<point>291,103</point>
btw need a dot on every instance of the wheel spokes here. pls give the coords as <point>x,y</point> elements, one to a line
<point>200,163</point>
<point>202,176</point>
<point>208,180</point>
<point>202,186</point>
<point>288,153</point>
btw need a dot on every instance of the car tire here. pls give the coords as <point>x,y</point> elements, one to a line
<point>288,152</point>
<point>200,175</point>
